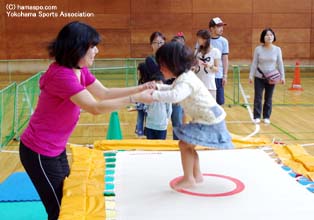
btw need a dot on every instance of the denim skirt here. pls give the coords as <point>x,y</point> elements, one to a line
<point>215,135</point>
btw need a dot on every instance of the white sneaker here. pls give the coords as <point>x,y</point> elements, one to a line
<point>257,120</point>
<point>266,121</point>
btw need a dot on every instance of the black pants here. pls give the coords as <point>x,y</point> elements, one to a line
<point>152,134</point>
<point>220,91</point>
<point>47,175</point>
<point>259,86</point>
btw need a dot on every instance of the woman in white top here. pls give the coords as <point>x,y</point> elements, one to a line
<point>208,127</point>
<point>209,59</point>
<point>267,58</point>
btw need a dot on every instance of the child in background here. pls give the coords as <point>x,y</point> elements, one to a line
<point>209,60</point>
<point>157,116</point>
<point>179,37</point>
<point>140,107</point>
<point>216,27</point>
<point>208,127</point>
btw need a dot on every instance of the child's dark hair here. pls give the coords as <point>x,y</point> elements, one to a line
<point>175,38</point>
<point>157,77</point>
<point>72,43</point>
<point>263,34</point>
<point>143,76</point>
<point>204,34</point>
<point>177,57</point>
<point>179,37</point>
<point>149,70</point>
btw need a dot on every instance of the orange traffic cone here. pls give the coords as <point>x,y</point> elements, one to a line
<point>296,83</point>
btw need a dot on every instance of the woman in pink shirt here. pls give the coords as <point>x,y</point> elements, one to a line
<point>66,87</point>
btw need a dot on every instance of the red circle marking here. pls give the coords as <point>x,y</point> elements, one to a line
<point>239,186</point>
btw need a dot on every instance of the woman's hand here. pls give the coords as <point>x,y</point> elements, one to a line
<point>144,97</point>
<point>250,81</point>
<point>283,81</point>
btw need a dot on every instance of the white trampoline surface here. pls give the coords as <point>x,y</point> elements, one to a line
<point>143,192</point>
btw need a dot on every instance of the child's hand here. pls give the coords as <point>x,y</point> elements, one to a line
<point>207,65</point>
<point>201,63</point>
<point>148,85</point>
<point>195,68</point>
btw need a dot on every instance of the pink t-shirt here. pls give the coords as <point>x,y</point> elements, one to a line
<point>56,115</point>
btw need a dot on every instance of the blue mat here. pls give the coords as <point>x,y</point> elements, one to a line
<point>18,187</point>
<point>22,211</point>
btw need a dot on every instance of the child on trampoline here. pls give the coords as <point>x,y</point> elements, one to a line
<point>207,127</point>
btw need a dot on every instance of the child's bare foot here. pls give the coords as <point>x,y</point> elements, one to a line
<point>199,178</point>
<point>184,184</point>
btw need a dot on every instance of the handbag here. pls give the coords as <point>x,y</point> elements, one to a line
<point>273,77</point>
